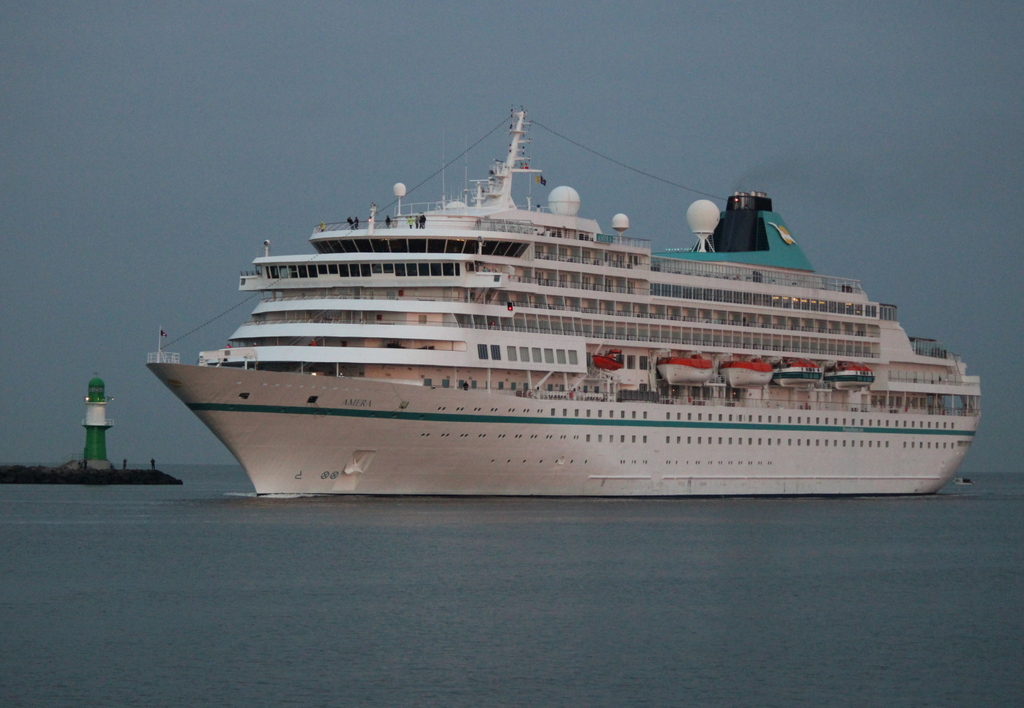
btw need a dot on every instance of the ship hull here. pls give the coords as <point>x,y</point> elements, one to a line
<point>299,434</point>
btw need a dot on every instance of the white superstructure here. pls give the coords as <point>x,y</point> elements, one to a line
<point>450,349</point>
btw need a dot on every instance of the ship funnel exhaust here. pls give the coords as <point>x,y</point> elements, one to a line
<point>739,230</point>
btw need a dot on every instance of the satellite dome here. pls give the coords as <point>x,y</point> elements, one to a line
<point>399,190</point>
<point>564,201</point>
<point>620,222</point>
<point>455,204</point>
<point>703,216</point>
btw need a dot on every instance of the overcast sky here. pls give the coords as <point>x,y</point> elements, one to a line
<point>149,148</point>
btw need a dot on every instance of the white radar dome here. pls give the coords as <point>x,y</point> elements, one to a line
<point>620,222</point>
<point>703,216</point>
<point>455,204</point>
<point>564,201</point>
<point>399,190</point>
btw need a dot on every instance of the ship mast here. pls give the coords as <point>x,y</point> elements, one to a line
<point>498,193</point>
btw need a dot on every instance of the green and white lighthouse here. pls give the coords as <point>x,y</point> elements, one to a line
<point>96,425</point>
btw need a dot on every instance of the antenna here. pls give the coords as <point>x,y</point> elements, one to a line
<point>399,191</point>
<point>703,216</point>
<point>620,222</point>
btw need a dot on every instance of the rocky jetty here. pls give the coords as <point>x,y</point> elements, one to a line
<point>20,474</point>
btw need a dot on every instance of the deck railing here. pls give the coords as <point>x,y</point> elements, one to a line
<point>582,310</point>
<point>163,358</point>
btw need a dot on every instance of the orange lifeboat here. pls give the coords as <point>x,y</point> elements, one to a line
<point>609,361</point>
<point>746,374</point>
<point>678,370</point>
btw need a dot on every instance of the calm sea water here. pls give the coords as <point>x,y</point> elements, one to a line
<point>204,595</point>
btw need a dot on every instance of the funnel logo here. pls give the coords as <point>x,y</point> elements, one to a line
<point>783,232</point>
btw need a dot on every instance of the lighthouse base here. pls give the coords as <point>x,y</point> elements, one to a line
<point>98,464</point>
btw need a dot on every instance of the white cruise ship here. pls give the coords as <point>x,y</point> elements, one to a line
<point>479,346</point>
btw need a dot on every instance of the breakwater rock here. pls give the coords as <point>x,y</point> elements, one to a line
<point>20,474</point>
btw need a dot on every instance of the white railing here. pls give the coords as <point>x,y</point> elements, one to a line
<point>753,274</point>
<point>163,358</point>
<point>924,377</point>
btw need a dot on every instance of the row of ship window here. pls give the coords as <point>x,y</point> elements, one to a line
<point>366,270</point>
<point>488,247</point>
<point>800,442</point>
<point>687,292</point>
<point>363,270</point>
<point>775,419</point>
<point>723,440</point>
<point>539,355</point>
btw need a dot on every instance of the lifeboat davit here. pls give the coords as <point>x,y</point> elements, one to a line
<point>609,361</point>
<point>746,374</point>
<point>797,373</point>
<point>678,370</point>
<point>849,376</point>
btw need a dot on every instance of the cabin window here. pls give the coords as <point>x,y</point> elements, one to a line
<point>400,270</point>
<point>643,363</point>
<point>496,352</point>
<point>481,351</point>
<point>536,355</point>
<point>549,356</point>
<point>389,268</point>
<point>435,269</point>
<point>428,382</point>
<point>448,268</point>
<point>560,355</point>
<point>524,353</point>
<point>573,359</point>
<point>511,353</point>
<point>376,268</point>
<point>630,361</point>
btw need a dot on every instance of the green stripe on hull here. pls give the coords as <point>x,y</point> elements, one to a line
<point>536,420</point>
